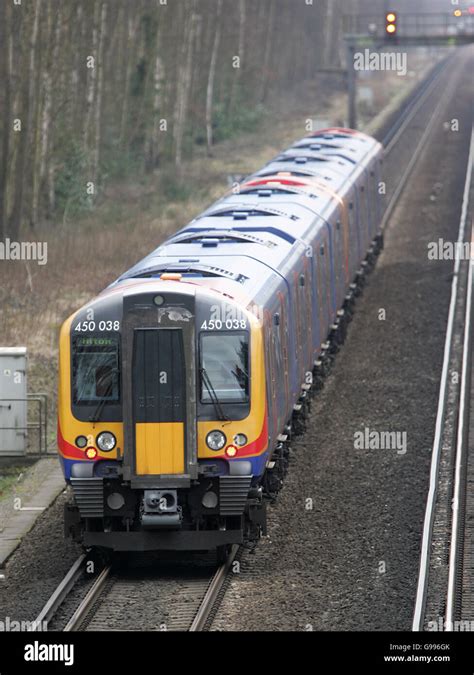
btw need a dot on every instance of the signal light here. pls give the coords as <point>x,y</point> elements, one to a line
<point>391,23</point>
<point>231,451</point>
<point>457,12</point>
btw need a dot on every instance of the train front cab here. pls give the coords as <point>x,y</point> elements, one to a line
<point>194,434</point>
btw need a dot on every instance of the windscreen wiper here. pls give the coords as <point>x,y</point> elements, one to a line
<point>95,417</point>
<point>213,396</point>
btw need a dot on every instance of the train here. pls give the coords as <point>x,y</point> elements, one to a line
<point>182,384</point>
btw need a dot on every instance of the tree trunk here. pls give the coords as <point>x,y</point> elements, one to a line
<point>26,133</point>
<point>152,152</point>
<point>91,79</point>
<point>44,111</point>
<point>329,36</point>
<point>98,103</point>
<point>268,51</point>
<point>75,103</point>
<point>131,32</point>
<point>237,74</point>
<point>48,159</point>
<point>5,77</point>
<point>183,85</point>
<point>211,78</point>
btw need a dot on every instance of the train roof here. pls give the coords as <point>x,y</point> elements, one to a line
<point>238,244</point>
<point>323,170</point>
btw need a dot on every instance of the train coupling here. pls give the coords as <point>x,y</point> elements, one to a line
<point>159,510</point>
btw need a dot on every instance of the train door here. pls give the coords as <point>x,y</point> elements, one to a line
<point>271,377</point>
<point>355,235</point>
<point>283,341</point>
<point>364,223</point>
<point>308,292</point>
<point>375,180</point>
<point>298,323</point>
<point>324,278</point>
<point>159,391</point>
<point>159,405</point>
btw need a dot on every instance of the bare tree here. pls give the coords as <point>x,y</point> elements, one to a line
<point>184,83</point>
<point>237,74</point>
<point>100,84</point>
<point>211,78</point>
<point>91,64</point>
<point>27,130</point>
<point>5,115</point>
<point>268,51</point>
<point>153,140</point>
<point>132,20</point>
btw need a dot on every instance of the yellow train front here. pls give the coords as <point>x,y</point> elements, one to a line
<point>162,426</point>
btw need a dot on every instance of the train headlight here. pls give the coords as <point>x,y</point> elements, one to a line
<point>240,439</point>
<point>106,441</point>
<point>216,440</point>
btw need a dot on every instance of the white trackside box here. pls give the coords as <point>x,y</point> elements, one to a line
<point>13,401</point>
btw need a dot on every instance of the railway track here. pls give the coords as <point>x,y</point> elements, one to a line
<point>187,601</point>
<point>175,596</point>
<point>442,599</point>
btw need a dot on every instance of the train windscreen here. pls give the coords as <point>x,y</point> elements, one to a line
<point>225,360</point>
<point>96,370</point>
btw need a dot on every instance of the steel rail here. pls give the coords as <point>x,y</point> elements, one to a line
<point>61,592</point>
<point>393,135</point>
<point>461,445</point>
<point>422,586</point>
<point>93,593</point>
<point>212,593</point>
<point>415,157</point>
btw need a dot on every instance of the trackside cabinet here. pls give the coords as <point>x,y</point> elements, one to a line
<point>13,401</point>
